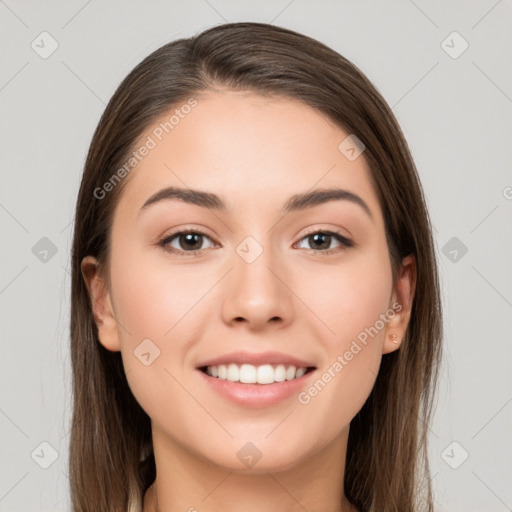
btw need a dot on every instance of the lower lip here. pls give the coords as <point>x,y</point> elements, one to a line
<point>257,395</point>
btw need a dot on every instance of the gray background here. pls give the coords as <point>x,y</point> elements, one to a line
<point>455,111</point>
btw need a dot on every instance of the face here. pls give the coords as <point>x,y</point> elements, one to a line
<point>252,285</point>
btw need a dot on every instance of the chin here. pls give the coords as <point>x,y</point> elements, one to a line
<point>258,457</point>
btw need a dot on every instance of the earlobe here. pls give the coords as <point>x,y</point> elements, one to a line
<point>101,304</point>
<point>401,303</point>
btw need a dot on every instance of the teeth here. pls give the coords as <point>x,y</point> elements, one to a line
<point>300,372</point>
<point>249,374</point>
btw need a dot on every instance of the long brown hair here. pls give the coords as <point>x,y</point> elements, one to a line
<point>111,466</point>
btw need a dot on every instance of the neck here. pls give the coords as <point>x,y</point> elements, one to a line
<point>186,482</point>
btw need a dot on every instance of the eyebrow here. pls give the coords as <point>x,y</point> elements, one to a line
<point>296,202</point>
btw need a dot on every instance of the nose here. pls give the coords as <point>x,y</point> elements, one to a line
<point>258,293</point>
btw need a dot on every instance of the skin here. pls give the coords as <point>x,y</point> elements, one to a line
<point>254,152</point>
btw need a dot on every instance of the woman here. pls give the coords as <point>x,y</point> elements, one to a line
<point>256,319</point>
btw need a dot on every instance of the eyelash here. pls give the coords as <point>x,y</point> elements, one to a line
<point>345,242</point>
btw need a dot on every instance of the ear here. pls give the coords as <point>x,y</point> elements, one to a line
<point>101,304</point>
<point>401,303</point>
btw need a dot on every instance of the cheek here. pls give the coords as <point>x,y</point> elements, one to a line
<point>160,307</point>
<point>349,297</point>
<point>350,300</point>
<point>156,304</point>
<point>152,296</point>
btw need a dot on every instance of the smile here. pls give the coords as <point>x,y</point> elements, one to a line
<point>250,374</point>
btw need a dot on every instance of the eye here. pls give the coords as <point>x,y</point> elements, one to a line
<point>188,241</point>
<point>191,242</point>
<point>320,240</point>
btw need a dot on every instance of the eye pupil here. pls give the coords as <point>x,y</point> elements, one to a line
<point>319,240</point>
<point>190,239</point>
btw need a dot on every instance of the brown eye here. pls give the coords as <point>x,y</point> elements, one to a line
<point>184,241</point>
<point>321,241</point>
<point>191,241</point>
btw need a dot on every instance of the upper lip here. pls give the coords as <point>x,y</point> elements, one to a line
<point>256,359</point>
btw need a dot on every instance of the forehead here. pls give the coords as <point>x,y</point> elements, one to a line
<point>251,150</point>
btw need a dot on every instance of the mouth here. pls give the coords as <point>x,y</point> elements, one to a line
<point>256,380</point>
<point>262,374</point>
